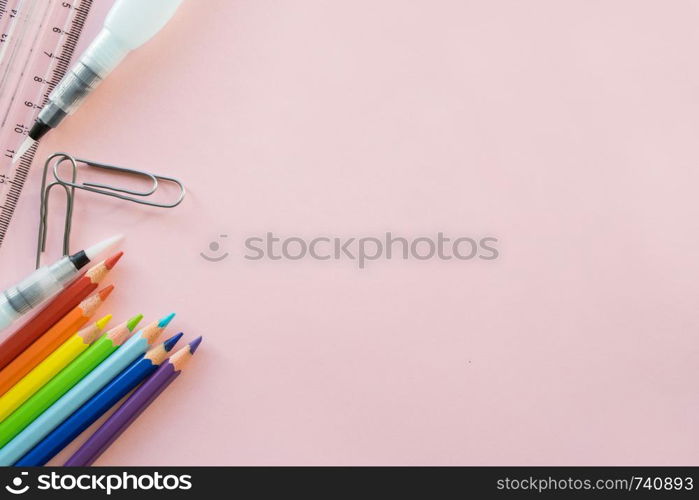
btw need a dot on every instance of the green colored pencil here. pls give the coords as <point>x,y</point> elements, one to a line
<point>65,380</point>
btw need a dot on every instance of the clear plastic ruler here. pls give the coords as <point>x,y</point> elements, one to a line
<point>37,40</point>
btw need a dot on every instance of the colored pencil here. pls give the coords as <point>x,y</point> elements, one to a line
<point>48,368</point>
<point>51,340</point>
<point>128,412</point>
<point>66,379</point>
<point>57,307</point>
<point>81,392</point>
<point>107,397</point>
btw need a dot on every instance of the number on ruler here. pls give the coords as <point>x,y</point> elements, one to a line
<point>61,40</point>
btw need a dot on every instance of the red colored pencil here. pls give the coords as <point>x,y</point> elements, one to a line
<point>56,309</point>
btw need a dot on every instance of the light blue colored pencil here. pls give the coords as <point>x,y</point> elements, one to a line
<point>82,392</point>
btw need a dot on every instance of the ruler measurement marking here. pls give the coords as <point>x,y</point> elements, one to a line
<point>66,46</point>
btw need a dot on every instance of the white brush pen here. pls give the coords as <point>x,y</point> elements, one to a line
<point>128,25</point>
<point>46,281</point>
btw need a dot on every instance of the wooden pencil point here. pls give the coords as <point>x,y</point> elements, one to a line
<point>151,332</point>
<point>119,334</point>
<point>104,293</point>
<point>90,333</point>
<point>111,261</point>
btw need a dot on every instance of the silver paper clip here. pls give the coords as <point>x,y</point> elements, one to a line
<point>71,185</point>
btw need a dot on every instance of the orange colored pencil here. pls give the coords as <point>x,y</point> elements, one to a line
<point>51,340</point>
<point>56,308</point>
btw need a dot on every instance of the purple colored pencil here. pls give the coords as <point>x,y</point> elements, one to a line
<point>133,407</point>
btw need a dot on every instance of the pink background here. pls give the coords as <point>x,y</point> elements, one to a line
<point>568,129</point>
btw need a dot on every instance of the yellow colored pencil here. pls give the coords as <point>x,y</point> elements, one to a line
<point>49,367</point>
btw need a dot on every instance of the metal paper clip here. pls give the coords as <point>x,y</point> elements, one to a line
<point>71,185</point>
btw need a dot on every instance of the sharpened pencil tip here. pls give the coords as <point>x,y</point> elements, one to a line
<point>119,334</point>
<point>166,320</point>
<point>103,322</point>
<point>104,293</point>
<point>131,324</point>
<point>194,344</point>
<point>111,261</point>
<point>170,343</point>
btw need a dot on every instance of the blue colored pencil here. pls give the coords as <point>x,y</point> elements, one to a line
<point>62,435</point>
<point>136,404</point>
<point>81,392</point>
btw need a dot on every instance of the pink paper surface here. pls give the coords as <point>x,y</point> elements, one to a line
<point>568,130</point>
